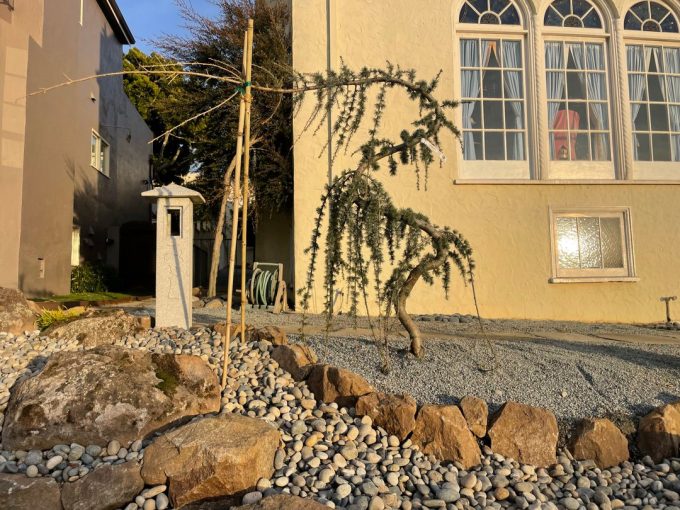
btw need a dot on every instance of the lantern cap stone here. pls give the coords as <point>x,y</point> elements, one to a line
<point>174,191</point>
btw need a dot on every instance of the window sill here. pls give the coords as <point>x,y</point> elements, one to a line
<point>100,172</point>
<point>563,181</point>
<point>597,279</point>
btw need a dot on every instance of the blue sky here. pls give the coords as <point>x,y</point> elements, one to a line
<point>150,19</point>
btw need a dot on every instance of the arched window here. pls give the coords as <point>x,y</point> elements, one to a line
<point>577,88</point>
<point>653,86</point>
<point>572,14</point>
<point>489,12</point>
<point>492,87</point>
<point>650,17</point>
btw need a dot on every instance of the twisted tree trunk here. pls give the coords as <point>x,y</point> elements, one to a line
<point>429,263</point>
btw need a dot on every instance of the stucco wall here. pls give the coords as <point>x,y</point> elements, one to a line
<point>507,225</point>
<point>17,29</point>
<point>58,187</point>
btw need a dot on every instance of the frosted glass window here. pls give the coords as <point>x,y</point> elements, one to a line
<point>591,245</point>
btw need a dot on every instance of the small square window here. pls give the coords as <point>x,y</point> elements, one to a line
<point>592,244</point>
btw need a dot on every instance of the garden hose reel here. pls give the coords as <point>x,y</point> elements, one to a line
<point>267,288</point>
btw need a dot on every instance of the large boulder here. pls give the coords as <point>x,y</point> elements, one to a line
<point>19,492</point>
<point>94,396</point>
<point>525,433</point>
<point>99,328</point>
<point>659,432</point>
<point>284,502</point>
<point>272,334</point>
<point>598,439</point>
<point>395,413</point>
<point>211,458</point>
<point>16,315</point>
<point>443,432</point>
<point>106,488</point>
<point>296,359</point>
<point>476,414</point>
<point>333,384</point>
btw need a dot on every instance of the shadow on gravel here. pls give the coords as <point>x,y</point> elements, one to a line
<point>628,354</point>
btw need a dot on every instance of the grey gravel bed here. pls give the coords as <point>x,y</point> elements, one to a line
<point>573,379</point>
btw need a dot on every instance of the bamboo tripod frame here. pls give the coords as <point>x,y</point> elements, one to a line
<point>243,126</point>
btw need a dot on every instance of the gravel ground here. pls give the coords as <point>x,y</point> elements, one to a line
<point>574,379</point>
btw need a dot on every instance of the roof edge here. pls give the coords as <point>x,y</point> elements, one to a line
<point>115,18</point>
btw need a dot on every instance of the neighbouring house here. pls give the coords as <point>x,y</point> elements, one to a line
<point>567,179</point>
<point>73,161</point>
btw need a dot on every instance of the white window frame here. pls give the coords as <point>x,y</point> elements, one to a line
<point>99,161</point>
<point>75,246</point>
<point>626,274</point>
<point>495,169</point>
<point>648,170</point>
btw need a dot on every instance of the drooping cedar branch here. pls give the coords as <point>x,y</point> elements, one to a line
<point>360,212</point>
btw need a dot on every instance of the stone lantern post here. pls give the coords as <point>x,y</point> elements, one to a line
<point>174,253</point>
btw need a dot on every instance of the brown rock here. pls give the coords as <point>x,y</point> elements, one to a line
<point>19,492</point>
<point>97,329</point>
<point>395,413</point>
<point>476,414</point>
<point>524,433</point>
<point>16,315</point>
<point>332,384</point>
<point>659,432</point>
<point>211,458</point>
<point>272,334</point>
<point>443,432</point>
<point>598,439</point>
<point>296,359</point>
<point>283,502</point>
<point>214,304</point>
<point>94,396</point>
<point>221,328</point>
<point>106,488</point>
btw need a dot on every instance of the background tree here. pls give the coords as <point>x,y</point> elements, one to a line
<point>155,96</point>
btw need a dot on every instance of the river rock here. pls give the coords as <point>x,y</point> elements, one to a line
<point>659,432</point>
<point>272,334</point>
<point>296,359</point>
<point>524,433</point>
<point>442,431</point>
<point>598,439</point>
<point>94,396</point>
<point>106,488</point>
<point>395,413</point>
<point>16,315</point>
<point>284,502</point>
<point>211,458</point>
<point>476,414</point>
<point>221,328</point>
<point>101,328</point>
<point>17,492</point>
<point>333,384</point>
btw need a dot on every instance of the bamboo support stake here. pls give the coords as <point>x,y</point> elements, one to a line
<point>234,222</point>
<point>246,170</point>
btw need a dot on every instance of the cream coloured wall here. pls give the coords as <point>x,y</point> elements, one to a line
<point>507,224</point>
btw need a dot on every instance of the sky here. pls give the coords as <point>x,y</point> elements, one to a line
<point>150,19</point>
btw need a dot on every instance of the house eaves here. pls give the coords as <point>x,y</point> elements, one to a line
<point>117,21</point>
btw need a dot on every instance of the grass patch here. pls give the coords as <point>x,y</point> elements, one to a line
<point>87,296</point>
<point>48,318</point>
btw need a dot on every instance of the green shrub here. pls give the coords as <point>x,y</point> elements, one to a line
<point>89,277</point>
<point>49,317</point>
